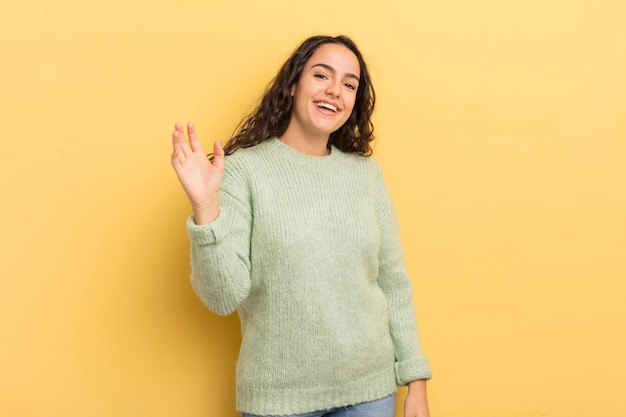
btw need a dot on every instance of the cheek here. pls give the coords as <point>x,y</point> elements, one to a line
<point>350,103</point>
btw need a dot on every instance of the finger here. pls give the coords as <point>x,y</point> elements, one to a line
<point>218,155</point>
<point>194,142</point>
<point>180,143</point>
<point>179,156</point>
<point>178,135</point>
<point>177,159</point>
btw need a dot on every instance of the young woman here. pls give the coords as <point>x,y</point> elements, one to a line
<point>293,227</point>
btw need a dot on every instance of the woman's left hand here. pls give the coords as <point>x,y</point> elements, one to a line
<point>416,402</point>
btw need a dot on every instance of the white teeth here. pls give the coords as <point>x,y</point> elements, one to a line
<point>326,105</point>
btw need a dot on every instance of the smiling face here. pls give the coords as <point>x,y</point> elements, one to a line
<point>324,95</point>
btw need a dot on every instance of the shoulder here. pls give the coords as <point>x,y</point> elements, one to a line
<point>357,159</point>
<point>244,165</point>
<point>243,160</point>
<point>244,154</point>
<point>362,165</point>
<point>248,156</point>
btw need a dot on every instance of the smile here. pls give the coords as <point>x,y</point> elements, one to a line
<point>326,105</point>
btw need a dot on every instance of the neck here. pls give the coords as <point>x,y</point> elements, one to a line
<point>314,145</point>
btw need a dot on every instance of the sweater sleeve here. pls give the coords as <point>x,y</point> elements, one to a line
<point>220,250</point>
<point>393,278</point>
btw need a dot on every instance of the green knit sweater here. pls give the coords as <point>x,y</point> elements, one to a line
<point>307,250</point>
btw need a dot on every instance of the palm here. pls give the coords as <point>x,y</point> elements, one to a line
<point>201,179</point>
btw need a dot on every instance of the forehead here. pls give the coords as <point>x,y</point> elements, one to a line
<point>342,59</point>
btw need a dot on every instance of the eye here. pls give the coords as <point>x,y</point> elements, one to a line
<point>321,76</point>
<point>350,86</point>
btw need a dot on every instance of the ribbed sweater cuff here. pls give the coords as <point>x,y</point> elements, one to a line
<point>412,369</point>
<point>207,234</point>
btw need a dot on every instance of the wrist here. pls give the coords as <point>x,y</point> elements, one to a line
<point>417,399</point>
<point>418,384</point>
<point>205,213</point>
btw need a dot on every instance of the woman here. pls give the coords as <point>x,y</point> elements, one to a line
<point>294,228</point>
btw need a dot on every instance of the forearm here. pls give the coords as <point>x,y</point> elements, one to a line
<point>416,404</point>
<point>220,258</point>
<point>220,277</point>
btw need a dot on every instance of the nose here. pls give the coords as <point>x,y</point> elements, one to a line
<point>333,89</point>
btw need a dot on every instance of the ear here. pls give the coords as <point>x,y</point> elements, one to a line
<point>293,89</point>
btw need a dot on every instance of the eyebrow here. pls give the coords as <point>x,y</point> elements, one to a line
<point>334,71</point>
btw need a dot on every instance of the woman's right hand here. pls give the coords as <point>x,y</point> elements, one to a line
<point>201,178</point>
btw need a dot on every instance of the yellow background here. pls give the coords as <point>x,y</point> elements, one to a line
<point>501,131</point>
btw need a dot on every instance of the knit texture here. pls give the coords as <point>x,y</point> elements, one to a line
<point>307,250</point>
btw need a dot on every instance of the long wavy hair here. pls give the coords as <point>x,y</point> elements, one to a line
<point>271,118</point>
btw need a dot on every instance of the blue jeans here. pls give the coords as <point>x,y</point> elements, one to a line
<point>385,407</point>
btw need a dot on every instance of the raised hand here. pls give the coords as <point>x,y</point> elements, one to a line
<point>201,178</point>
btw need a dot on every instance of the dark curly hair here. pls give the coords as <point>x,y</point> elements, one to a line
<point>271,118</point>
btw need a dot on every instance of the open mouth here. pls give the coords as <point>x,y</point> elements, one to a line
<point>326,106</point>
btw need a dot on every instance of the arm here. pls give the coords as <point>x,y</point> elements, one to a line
<point>412,367</point>
<point>220,227</point>
<point>220,253</point>
<point>416,403</point>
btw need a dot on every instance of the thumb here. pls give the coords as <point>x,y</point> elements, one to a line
<point>218,155</point>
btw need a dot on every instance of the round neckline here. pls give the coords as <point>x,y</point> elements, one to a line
<point>285,151</point>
